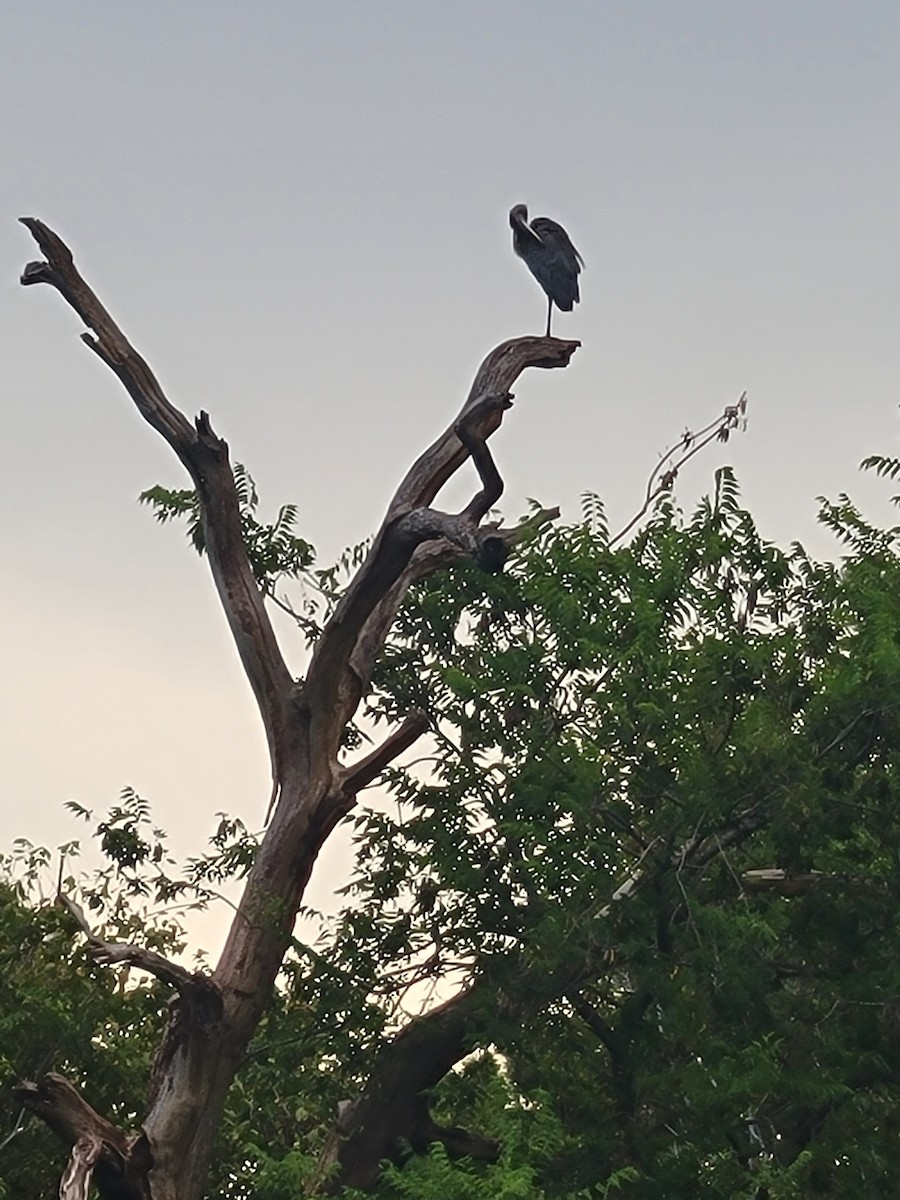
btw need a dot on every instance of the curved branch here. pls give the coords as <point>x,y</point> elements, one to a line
<point>458,1142</point>
<point>663,476</point>
<point>119,1164</point>
<point>468,432</point>
<point>205,456</point>
<point>212,1020</point>
<point>110,953</point>
<point>76,1180</point>
<point>410,524</point>
<point>372,1127</point>
<point>495,376</point>
<point>360,774</point>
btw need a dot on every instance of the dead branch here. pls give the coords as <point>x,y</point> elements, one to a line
<point>466,429</point>
<point>354,778</point>
<point>205,456</point>
<point>393,1108</point>
<point>786,883</point>
<point>117,1163</point>
<point>110,953</point>
<point>212,1019</point>
<point>76,1179</point>
<point>663,476</point>
<point>410,525</point>
<point>495,377</point>
<point>16,1129</point>
<point>431,557</point>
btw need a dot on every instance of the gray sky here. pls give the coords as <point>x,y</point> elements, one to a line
<point>297,212</point>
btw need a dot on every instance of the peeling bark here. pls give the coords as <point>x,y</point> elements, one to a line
<point>118,1164</point>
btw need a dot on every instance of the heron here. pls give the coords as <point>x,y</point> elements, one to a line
<point>550,256</point>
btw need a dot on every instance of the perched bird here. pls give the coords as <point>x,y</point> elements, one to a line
<point>549,256</point>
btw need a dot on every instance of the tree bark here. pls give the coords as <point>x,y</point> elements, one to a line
<point>393,1108</point>
<point>213,1017</point>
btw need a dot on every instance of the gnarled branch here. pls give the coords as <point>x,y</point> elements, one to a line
<point>110,953</point>
<point>392,1108</point>
<point>119,1164</point>
<point>212,1020</point>
<point>76,1179</point>
<point>333,683</point>
<point>495,376</point>
<point>205,456</point>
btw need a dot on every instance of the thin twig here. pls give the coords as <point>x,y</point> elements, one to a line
<point>690,444</point>
<point>17,1128</point>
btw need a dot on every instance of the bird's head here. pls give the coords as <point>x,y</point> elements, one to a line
<point>518,216</point>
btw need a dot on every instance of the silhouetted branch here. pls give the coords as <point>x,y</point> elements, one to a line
<point>466,429</point>
<point>205,456</point>
<point>430,557</point>
<point>390,1110</point>
<point>110,953</point>
<point>360,774</point>
<point>495,376</point>
<point>664,474</point>
<point>212,1020</point>
<point>410,525</point>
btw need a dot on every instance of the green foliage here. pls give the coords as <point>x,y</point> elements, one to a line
<point>603,712</point>
<point>58,1011</point>
<point>276,553</point>
<point>656,828</point>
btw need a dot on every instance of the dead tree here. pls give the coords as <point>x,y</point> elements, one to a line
<point>213,1016</point>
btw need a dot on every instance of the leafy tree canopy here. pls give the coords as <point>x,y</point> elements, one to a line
<point>652,848</point>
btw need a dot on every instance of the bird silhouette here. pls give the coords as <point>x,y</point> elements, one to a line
<point>550,256</point>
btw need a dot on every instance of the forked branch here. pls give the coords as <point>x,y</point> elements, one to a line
<point>396,557</point>
<point>213,1019</point>
<point>663,476</point>
<point>366,771</point>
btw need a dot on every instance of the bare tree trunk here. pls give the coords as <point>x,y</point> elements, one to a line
<point>214,1016</point>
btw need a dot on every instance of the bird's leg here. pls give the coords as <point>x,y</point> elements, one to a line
<point>549,313</point>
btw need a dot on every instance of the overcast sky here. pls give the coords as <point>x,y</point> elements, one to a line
<point>298,213</point>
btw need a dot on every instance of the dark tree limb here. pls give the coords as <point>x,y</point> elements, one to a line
<point>118,1164</point>
<point>110,953</point>
<point>621,1068</point>
<point>205,456</point>
<point>496,376</point>
<point>467,430</point>
<point>697,851</point>
<point>410,524</point>
<point>431,557</point>
<point>458,1142</point>
<point>212,1019</point>
<point>393,1108</point>
<point>360,774</point>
